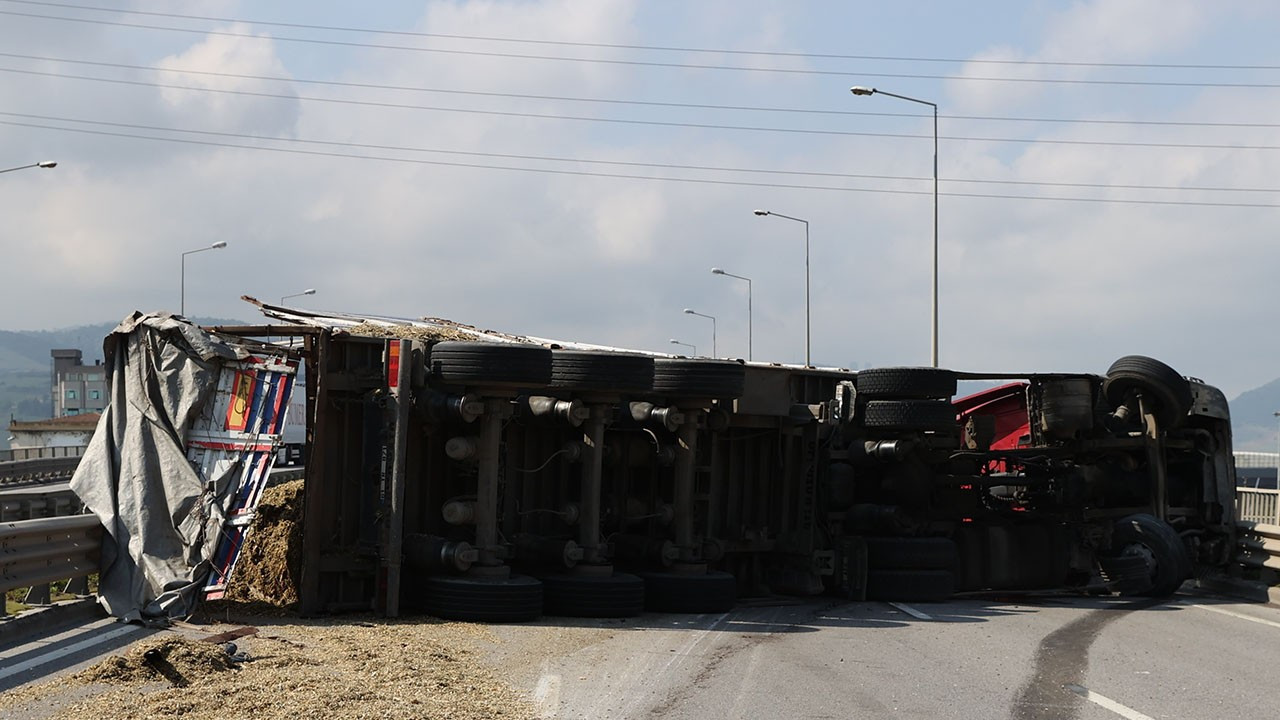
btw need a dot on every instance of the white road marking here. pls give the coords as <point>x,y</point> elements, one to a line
<point>67,650</point>
<point>1106,702</point>
<point>1233,614</point>
<point>911,611</point>
<point>547,694</point>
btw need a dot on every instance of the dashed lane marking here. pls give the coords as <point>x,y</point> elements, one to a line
<point>1123,711</point>
<point>1234,614</point>
<point>547,694</point>
<point>911,611</point>
<point>66,650</point>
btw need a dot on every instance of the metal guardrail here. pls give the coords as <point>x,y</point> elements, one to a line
<point>1259,546</point>
<point>1258,505</point>
<point>37,470</point>
<point>39,453</point>
<point>34,553</point>
<point>29,506</point>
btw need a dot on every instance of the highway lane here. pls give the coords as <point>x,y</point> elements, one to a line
<point>63,647</point>
<point>1051,658</point>
<point>1039,657</point>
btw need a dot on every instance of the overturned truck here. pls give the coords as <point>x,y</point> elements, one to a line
<point>479,476</point>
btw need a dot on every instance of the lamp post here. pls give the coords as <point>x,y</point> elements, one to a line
<point>808,360</point>
<point>183,302</point>
<point>718,271</point>
<point>712,318</point>
<point>1277,416</point>
<point>308,291</point>
<point>858,90</point>
<point>41,164</point>
<point>693,348</point>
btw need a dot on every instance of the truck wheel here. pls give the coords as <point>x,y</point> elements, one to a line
<point>1125,574</point>
<point>911,553</point>
<point>610,596</point>
<point>674,377</point>
<point>910,585</point>
<point>458,362</point>
<point>513,599</point>
<point>1156,381</point>
<point>589,370</point>
<point>1155,542</point>
<point>910,415</point>
<point>712,592</point>
<point>906,383</point>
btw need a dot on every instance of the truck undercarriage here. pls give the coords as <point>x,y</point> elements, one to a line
<point>498,481</point>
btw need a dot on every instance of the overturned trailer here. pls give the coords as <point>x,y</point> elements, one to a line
<point>483,476</point>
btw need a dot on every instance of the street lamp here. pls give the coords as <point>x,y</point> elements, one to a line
<point>693,348</point>
<point>718,271</point>
<point>858,90</point>
<point>1277,416</point>
<point>308,291</point>
<point>808,361</point>
<point>712,318</point>
<point>41,164</point>
<point>183,303</point>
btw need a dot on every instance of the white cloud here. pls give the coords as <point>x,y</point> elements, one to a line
<point>1122,30</point>
<point>228,63</point>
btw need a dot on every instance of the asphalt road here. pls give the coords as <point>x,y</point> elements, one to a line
<point>1020,658</point>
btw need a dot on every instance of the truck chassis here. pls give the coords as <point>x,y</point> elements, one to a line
<point>498,481</point>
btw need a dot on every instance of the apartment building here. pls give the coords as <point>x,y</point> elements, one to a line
<point>77,388</point>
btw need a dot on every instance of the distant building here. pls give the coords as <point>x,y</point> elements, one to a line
<point>1256,469</point>
<point>77,388</point>
<point>69,431</point>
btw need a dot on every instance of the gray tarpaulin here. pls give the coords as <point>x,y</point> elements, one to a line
<point>161,517</point>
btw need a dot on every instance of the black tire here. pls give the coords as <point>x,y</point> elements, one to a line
<point>911,585</point>
<point>607,596</point>
<point>674,377</point>
<point>897,553</point>
<point>1126,574</point>
<point>1156,381</point>
<point>517,598</point>
<point>488,364</point>
<point>906,383</point>
<point>910,415</point>
<point>1168,564</point>
<point>713,592</point>
<point>603,371</point>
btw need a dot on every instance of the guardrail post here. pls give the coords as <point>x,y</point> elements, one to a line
<point>38,595</point>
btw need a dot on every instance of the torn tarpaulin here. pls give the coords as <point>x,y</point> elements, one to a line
<point>185,444</point>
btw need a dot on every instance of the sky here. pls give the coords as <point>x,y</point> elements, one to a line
<point>574,169</point>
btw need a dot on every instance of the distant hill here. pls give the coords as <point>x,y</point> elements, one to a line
<point>1253,420</point>
<point>29,349</point>
<point>25,365</point>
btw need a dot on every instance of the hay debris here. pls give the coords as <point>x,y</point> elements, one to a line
<point>321,669</point>
<point>269,567</point>
<point>409,332</point>
<point>166,657</point>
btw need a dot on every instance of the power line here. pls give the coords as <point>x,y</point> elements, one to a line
<point>583,173</point>
<point>646,63</point>
<point>615,101</point>
<point>633,121</point>
<point>627,163</point>
<point>660,48</point>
